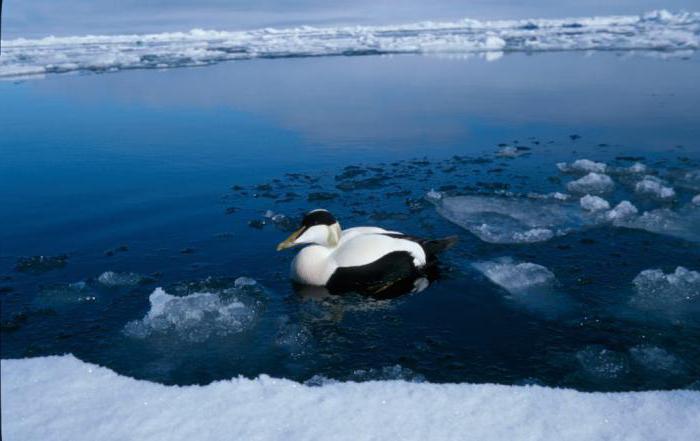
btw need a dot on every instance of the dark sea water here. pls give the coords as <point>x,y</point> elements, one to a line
<point>165,178</point>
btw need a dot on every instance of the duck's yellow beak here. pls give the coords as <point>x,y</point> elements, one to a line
<point>289,242</point>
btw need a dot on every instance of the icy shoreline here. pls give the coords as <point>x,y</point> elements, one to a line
<point>61,397</point>
<point>654,31</point>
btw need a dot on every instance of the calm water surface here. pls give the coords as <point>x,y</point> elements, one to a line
<point>169,174</point>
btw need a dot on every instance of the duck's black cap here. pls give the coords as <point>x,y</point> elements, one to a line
<point>318,217</point>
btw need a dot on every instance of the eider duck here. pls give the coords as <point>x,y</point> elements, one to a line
<point>357,259</point>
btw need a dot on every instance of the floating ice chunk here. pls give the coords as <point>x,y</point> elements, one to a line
<point>293,337</point>
<point>433,195</point>
<point>655,187</point>
<point>696,199</point>
<point>583,166</point>
<point>594,203</point>
<point>637,168</point>
<point>555,195</point>
<point>516,277</point>
<point>194,317</point>
<point>684,223</point>
<point>510,152</point>
<point>497,219</point>
<point>655,290</point>
<point>242,282</point>
<point>602,364</point>
<point>657,360</point>
<point>531,285</point>
<point>112,279</point>
<point>281,221</point>
<point>622,211</point>
<point>689,179</point>
<point>592,183</point>
<point>396,372</point>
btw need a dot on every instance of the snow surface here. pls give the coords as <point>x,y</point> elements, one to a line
<point>657,31</point>
<point>63,398</point>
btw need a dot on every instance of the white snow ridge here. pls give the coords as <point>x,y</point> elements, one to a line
<point>657,31</point>
<point>63,398</point>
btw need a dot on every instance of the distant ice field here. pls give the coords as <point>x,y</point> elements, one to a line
<point>659,31</point>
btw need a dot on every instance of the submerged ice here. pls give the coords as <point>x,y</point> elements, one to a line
<point>503,219</point>
<point>656,290</point>
<point>657,31</point>
<point>530,285</point>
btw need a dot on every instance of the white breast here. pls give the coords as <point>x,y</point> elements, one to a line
<point>313,265</point>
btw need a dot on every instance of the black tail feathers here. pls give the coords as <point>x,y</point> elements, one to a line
<point>433,247</point>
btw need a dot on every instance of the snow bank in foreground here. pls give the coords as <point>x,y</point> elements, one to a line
<point>658,30</point>
<point>53,398</point>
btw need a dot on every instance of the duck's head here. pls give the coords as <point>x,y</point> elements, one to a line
<point>318,227</point>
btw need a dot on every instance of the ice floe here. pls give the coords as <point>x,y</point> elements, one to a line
<point>197,316</point>
<point>114,279</point>
<point>696,199</point>
<point>657,291</point>
<point>657,361</point>
<point>602,364</point>
<point>656,31</point>
<point>502,219</point>
<point>655,187</point>
<point>583,166</point>
<point>61,397</point>
<point>622,211</point>
<point>683,223</point>
<point>512,152</point>
<point>531,285</point>
<point>689,179</point>
<point>594,203</point>
<point>592,183</point>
